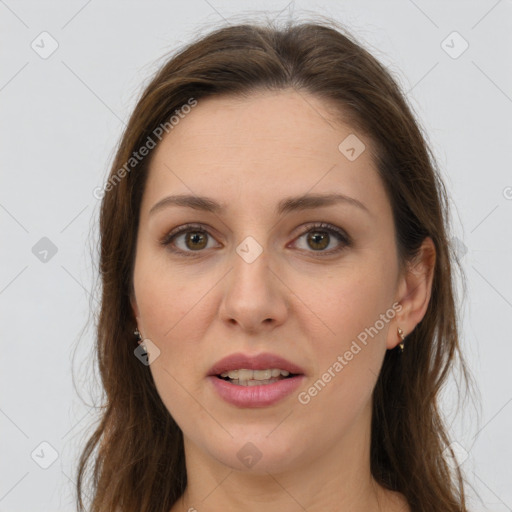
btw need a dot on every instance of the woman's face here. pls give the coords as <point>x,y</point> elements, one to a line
<point>259,277</point>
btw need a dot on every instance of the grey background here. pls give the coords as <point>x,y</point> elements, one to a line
<point>61,120</point>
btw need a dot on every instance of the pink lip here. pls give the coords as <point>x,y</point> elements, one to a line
<point>255,396</point>
<point>259,362</point>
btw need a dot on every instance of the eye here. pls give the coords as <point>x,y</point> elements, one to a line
<point>320,235</point>
<point>195,240</point>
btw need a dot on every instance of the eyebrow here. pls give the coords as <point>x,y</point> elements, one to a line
<point>305,202</point>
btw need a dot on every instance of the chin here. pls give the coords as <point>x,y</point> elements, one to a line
<point>259,454</point>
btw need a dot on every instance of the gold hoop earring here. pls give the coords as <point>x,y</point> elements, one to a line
<point>402,337</point>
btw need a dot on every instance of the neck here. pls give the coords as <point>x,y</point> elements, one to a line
<point>339,479</point>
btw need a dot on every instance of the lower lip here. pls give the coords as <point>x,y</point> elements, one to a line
<point>255,396</point>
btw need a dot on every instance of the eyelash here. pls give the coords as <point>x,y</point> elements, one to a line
<point>197,228</point>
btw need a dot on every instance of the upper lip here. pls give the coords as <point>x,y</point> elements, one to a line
<point>255,362</point>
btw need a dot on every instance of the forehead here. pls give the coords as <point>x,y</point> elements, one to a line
<point>262,148</point>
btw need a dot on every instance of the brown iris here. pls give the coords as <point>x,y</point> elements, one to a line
<point>196,237</point>
<point>318,238</point>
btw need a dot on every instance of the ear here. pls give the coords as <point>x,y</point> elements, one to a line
<point>414,291</point>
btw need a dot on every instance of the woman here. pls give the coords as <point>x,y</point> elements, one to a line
<point>278,312</point>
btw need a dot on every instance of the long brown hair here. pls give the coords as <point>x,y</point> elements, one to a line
<point>137,448</point>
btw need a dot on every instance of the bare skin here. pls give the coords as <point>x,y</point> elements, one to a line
<point>298,299</point>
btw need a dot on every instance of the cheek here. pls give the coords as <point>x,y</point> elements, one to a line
<point>348,301</point>
<point>349,357</point>
<point>174,319</point>
<point>353,310</point>
<point>174,315</point>
<point>165,297</point>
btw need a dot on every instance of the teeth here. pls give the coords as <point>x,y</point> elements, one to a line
<point>259,375</point>
<point>254,382</point>
<point>245,374</point>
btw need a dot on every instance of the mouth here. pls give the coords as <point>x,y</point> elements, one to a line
<point>255,381</point>
<point>259,367</point>
<point>247,377</point>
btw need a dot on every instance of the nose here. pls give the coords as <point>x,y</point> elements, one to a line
<point>254,296</point>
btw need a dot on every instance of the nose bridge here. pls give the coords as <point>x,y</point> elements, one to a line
<point>252,295</point>
<point>253,231</point>
<point>254,228</point>
<point>251,265</point>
